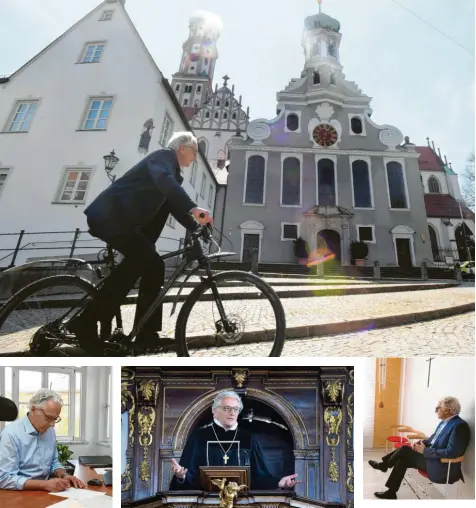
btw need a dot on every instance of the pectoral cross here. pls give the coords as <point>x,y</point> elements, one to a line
<point>225,458</point>
<point>429,370</point>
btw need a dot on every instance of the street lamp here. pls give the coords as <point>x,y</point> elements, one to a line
<point>110,162</point>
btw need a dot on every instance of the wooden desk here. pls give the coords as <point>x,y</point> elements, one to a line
<point>41,499</point>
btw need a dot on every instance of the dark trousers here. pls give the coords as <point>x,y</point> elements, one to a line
<point>140,260</point>
<point>400,460</point>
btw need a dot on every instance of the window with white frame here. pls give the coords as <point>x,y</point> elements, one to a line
<point>203,184</point>
<point>92,52</point>
<point>193,174</point>
<point>396,185</point>
<point>3,178</point>
<point>167,128</point>
<point>366,233</point>
<point>210,196</point>
<point>98,112</point>
<point>289,231</point>
<point>22,116</point>
<point>21,383</point>
<point>255,180</point>
<point>171,221</point>
<point>291,182</point>
<point>74,185</point>
<point>106,16</point>
<point>433,185</point>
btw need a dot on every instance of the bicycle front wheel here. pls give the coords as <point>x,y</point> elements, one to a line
<point>252,321</point>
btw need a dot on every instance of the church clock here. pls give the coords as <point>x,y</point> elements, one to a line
<point>325,135</point>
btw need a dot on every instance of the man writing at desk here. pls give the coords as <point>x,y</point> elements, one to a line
<point>28,454</point>
<point>222,443</point>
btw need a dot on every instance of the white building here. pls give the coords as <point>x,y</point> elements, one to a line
<point>93,90</point>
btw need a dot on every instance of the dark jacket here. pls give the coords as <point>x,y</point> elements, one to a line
<point>450,444</point>
<point>136,198</point>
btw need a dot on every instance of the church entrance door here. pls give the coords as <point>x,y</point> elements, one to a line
<point>328,243</point>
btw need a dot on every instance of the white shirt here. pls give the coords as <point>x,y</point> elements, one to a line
<point>220,425</point>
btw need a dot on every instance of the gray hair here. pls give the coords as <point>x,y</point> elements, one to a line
<point>182,138</point>
<point>227,393</point>
<point>453,404</point>
<point>43,396</point>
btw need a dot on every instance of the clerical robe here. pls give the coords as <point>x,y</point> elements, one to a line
<point>202,449</point>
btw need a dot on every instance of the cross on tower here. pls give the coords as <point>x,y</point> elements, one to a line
<point>320,7</point>
<point>225,79</point>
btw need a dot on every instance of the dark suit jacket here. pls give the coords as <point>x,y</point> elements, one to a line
<point>451,443</point>
<point>137,197</point>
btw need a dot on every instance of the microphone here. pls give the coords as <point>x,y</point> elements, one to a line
<point>8,410</point>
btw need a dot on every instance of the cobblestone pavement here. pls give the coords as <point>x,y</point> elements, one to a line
<point>453,336</point>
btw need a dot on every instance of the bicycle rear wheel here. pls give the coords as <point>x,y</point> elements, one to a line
<point>32,320</point>
<point>254,323</point>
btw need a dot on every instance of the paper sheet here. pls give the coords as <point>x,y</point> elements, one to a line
<point>102,470</point>
<point>77,494</point>
<point>90,502</point>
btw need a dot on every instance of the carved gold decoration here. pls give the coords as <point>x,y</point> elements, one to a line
<point>146,419</point>
<point>351,377</point>
<point>149,390</point>
<point>126,480</point>
<point>350,418</point>
<point>127,374</point>
<point>350,477</point>
<point>333,420</point>
<point>126,394</point>
<point>240,376</point>
<point>333,388</point>
<point>229,492</point>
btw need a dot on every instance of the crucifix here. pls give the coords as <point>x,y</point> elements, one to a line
<point>429,370</point>
<point>225,458</point>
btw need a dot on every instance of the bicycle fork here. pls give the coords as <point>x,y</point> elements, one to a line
<point>216,295</point>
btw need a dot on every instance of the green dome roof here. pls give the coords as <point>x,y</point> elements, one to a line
<point>322,21</point>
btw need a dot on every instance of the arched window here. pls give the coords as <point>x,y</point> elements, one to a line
<point>233,116</point>
<point>434,185</point>
<point>435,249</point>
<point>203,146</point>
<point>292,122</point>
<point>218,103</point>
<point>332,50</point>
<point>361,184</point>
<point>207,114</point>
<point>255,180</point>
<point>225,116</point>
<point>396,185</point>
<point>216,115</point>
<point>291,181</point>
<point>227,103</point>
<point>316,78</point>
<point>326,183</point>
<point>333,79</point>
<point>356,125</point>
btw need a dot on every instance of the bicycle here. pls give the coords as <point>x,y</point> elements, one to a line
<point>18,316</point>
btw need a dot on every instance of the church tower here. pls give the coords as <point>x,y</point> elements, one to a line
<point>193,82</point>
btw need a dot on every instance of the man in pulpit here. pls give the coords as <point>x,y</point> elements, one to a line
<point>223,443</point>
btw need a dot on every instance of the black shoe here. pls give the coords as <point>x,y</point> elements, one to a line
<point>152,342</point>
<point>86,332</point>
<point>378,465</point>
<point>386,495</point>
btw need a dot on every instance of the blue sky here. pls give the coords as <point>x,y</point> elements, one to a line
<point>420,81</point>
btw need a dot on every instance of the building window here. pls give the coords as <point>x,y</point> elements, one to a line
<point>361,184</point>
<point>289,231</point>
<point>434,185</point>
<point>435,249</point>
<point>22,116</point>
<point>202,185</point>
<point>207,114</point>
<point>225,116</point>
<point>254,193</point>
<point>106,16</point>
<point>316,78</point>
<point>3,178</point>
<point>333,79</point>
<point>233,117</point>
<point>396,185</point>
<point>216,115</point>
<point>167,128</point>
<point>356,125</point>
<point>171,221</point>
<point>203,146</point>
<point>227,104</point>
<point>332,50</point>
<point>199,89</point>
<point>291,182</point>
<point>92,53</point>
<point>185,102</point>
<point>193,174</point>
<point>177,88</point>
<point>210,196</point>
<point>366,234</point>
<point>74,186</point>
<point>188,88</point>
<point>218,103</point>
<point>292,122</point>
<point>326,183</point>
<point>98,114</point>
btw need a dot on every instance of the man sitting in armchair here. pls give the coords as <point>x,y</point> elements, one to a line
<point>216,444</point>
<point>449,441</point>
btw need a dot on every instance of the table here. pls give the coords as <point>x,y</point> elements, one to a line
<point>41,499</point>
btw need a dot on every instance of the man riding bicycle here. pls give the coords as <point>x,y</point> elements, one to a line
<point>129,216</point>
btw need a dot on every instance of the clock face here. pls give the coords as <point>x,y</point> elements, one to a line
<point>325,135</point>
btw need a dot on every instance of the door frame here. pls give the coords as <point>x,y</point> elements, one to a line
<point>341,240</point>
<point>251,227</point>
<point>404,232</point>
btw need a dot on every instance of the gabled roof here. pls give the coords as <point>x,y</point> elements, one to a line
<point>163,80</point>
<point>444,205</point>
<point>429,160</point>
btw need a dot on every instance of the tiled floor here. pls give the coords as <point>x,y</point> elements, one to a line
<point>374,481</point>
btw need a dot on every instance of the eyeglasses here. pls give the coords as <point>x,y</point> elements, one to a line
<point>49,419</point>
<point>439,407</point>
<point>229,409</point>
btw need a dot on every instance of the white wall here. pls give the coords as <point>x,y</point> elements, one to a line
<point>448,377</point>
<point>440,176</point>
<point>369,380</point>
